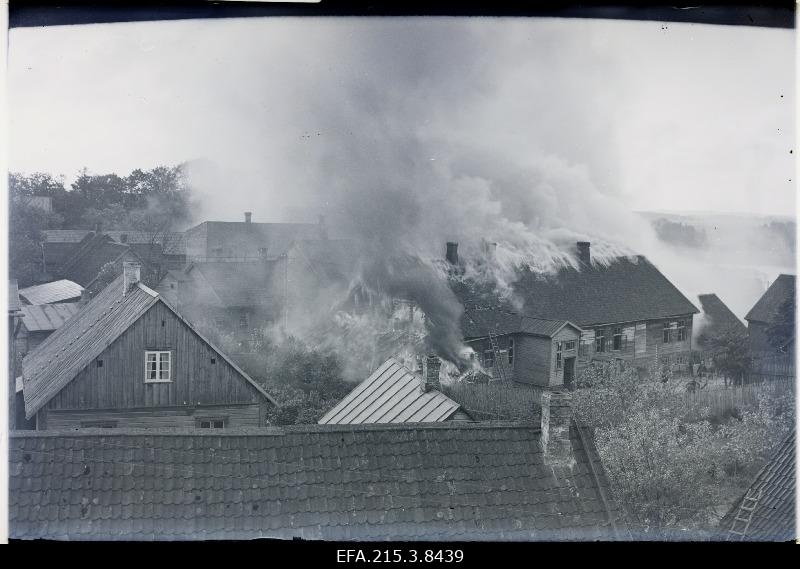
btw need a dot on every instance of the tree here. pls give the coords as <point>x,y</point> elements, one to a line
<point>781,331</point>
<point>26,223</point>
<point>730,352</point>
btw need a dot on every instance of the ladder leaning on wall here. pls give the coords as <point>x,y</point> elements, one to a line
<point>744,516</point>
<point>498,363</point>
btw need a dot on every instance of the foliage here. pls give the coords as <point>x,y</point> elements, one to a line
<point>730,352</point>
<point>26,222</point>
<point>781,331</point>
<point>669,466</point>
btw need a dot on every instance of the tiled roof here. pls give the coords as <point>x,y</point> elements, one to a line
<point>55,291</point>
<point>719,316</point>
<point>251,283</point>
<point>770,302</point>
<point>445,481</point>
<point>48,317</point>
<point>57,360</point>
<point>774,516</point>
<point>626,290</point>
<point>392,394</point>
<point>479,323</point>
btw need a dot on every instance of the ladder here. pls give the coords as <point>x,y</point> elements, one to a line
<point>498,363</point>
<point>744,516</point>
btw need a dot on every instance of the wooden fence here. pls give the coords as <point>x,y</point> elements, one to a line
<point>773,367</point>
<point>722,400</point>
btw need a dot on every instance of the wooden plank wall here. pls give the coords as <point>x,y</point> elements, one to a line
<point>149,418</point>
<point>119,383</point>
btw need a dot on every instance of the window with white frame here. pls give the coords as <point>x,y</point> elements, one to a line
<point>158,366</point>
<point>511,351</point>
<point>559,358</point>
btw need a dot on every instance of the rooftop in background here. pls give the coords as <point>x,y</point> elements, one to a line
<point>240,284</point>
<point>626,290</point>
<point>392,394</point>
<point>56,291</point>
<point>774,516</point>
<point>480,323</point>
<point>719,316</point>
<point>48,317</point>
<point>13,296</point>
<point>770,302</point>
<point>446,481</point>
<point>173,242</point>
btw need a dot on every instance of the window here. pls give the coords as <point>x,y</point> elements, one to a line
<point>617,339</point>
<point>488,358</point>
<point>244,321</point>
<point>600,341</point>
<point>262,251</point>
<point>569,346</point>
<point>217,251</point>
<point>681,330</point>
<point>158,366</point>
<point>99,363</point>
<point>559,358</point>
<point>98,424</point>
<point>211,423</point>
<point>667,333</point>
<point>511,351</point>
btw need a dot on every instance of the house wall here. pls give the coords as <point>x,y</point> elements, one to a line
<point>641,342</point>
<point>150,418</point>
<point>566,334</point>
<point>532,360</point>
<point>196,239</point>
<point>483,345</point>
<point>759,339</point>
<point>119,384</point>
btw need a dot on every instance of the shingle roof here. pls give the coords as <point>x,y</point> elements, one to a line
<point>719,316</point>
<point>55,291</point>
<point>774,516</point>
<point>479,323</point>
<point>392,394</point>
<point>446,481</point>
<point>626,290</point>
<point>770,302</point>
<point>48,317</point>
<point>57,360</point>
<point>242,284</point>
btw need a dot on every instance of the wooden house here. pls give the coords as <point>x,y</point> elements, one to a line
<point>130,359</point>
<point>514,347</point>
<point>766,312</point>
<point>231,241</point>
<point>626,309</point>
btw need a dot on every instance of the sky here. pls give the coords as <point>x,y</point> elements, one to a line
<point>655,116</point>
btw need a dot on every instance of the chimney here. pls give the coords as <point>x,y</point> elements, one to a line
<point>489,249</point>
<point>85,298</point>
<point>432,366</point>
<point>556,419</point>
<point>584,254</point>
<point>248,216</point>
<point>131,274</point>
<point>452,253</point>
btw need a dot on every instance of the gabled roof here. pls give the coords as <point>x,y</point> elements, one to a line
<point>94,251</point>
<point>277,238</point>
<point>173,242</point>
<point>626,290</point>
<point>480,323</point>
<point>392,394</point>
<point>774,516</point>
<point>65,353</point>
<point>251,283</point>
<point>719,316</point>
<point>446,481</point>
<point>56,291</point>
<point>770,302</point>
<point>48,317</point>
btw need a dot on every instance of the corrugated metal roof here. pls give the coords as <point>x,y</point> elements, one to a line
<point>392,394</point>
<point>57,360</point>
<point>47,317</point>
<point>55,291</point>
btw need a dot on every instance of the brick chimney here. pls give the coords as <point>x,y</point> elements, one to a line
<point>248,216</point>
<point>131,274</point>
<point>584,252</point>
<point>452,253</point>
<point>432,366</point>
<point>556,419</point>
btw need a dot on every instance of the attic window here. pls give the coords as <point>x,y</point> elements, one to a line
<point>158,366</point>
<point>569,346</point>
<point>213,361</point>
<point>171,285</point>
<point>262,251</point>
<point>99,363</point>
